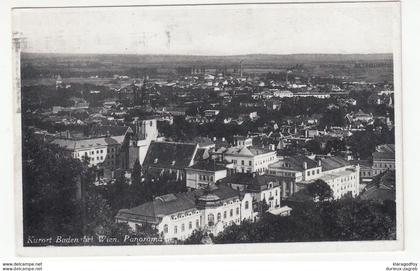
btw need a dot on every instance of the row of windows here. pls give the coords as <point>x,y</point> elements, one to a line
<point>210,217</point>
<point>308,173</point>
<point>381,165</point>
<point>205,178</point>
<point>190,226</point>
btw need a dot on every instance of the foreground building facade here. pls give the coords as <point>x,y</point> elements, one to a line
<point>176,216</point>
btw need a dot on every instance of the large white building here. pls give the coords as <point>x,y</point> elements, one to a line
<point>293,170</point>
<point>176,216</point>
<point>298,171</point>
<point>250,159</point>
<point>99,150</point>
<point>261,187</point>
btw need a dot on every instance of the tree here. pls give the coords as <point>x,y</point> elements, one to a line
<point>319,190</point>
<point>51,184</point>
<point>343,220</point>
<point>196,237</point>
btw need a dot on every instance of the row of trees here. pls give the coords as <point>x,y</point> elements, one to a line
<point>344,220</point>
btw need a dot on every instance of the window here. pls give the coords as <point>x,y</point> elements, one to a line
<point>224,214</point>
<point>210,219</point>
<point>182,227</point>
<point>197,223</point>
<point>102,151</point>
<point>250,163</point>
<point>242,162</point>
<point>97,151</point>
<point>276,191</point>
<point>219,216</point>
<point>190,225</point>
<point>175,229</point>
<point>165,228</point>
<point>308,173</point>
<point>313,172</point>
<point>237,210</point>
<point>151,123</point>
<point>246,205</point>
<point>317,171</point>
<point>231,212</point>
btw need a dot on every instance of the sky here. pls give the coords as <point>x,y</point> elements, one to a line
<point>211,30</point>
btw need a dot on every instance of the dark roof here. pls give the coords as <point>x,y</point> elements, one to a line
<point>170,155</point>
<point>73,144</point>
<point>153,211</point>
<point>161,206</point>
<point>200,155</point>
<point>208,165</point>
<point>112,130</point>
<point>333,162</point>
<point>202,141</point>
<point>383,156</point>
<point>381,188</point>
<point>252,181</point>
<point>296,163</point>
<point>386,148</point>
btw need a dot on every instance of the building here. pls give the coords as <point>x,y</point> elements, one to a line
<point>293,170</point>
<point>383,158</point>
<point>169,157</point>
<point>250,159</point>
<point>298,171</point>
<point>204,173</point>
<point>146,132</point>
<point>342,177</point>
<point>103,151</point>
<point>176,216</point>
<point>241,141</point>
<point>261,187</point>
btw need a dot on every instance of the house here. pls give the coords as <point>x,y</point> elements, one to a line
<point>342,177</point>
<point>294,169</point>
<point>299,171</point>
<point>176,216</point>
<point>204,173</point>
<point>382,188</point>
<point>250,159</point>
<point>383,158</point>
<point>169,157</point>
<point>105,151</point>
<point>261,187</point>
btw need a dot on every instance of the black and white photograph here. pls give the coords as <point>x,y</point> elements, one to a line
<point>209,125</point>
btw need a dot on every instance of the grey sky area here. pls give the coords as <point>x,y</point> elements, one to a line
<point>211,30</point>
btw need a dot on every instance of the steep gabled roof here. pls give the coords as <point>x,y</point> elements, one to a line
<point>174,155</point>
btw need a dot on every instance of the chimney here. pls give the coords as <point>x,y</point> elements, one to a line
<point>305,165</point>
<point>319,163</point>
<point>223,139</point>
